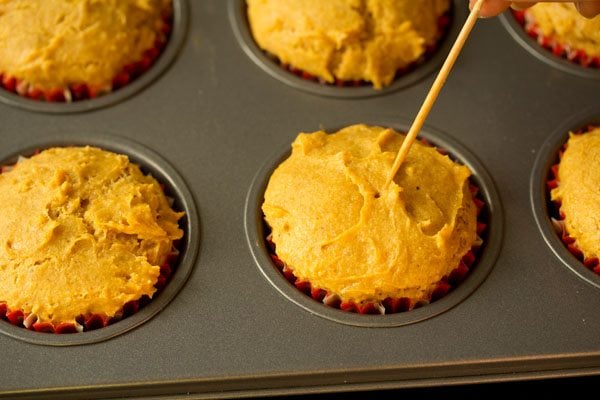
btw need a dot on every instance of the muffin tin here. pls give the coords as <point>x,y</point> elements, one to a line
<point>219,121</point>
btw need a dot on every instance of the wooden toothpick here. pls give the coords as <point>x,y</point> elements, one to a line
<point>435,90</point>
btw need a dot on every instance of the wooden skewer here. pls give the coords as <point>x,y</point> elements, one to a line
<point>435,90</point>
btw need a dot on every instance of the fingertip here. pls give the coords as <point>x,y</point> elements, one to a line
<point>588,9</point>
<point>491,8</point>
<point>522,5</point>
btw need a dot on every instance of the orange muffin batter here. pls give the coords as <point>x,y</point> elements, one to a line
<point>562,22</point>
<point>54,44</point>
<point>347,39</point>
<point>82,231</point>
<point>578,191</point>
<point>335,225</point>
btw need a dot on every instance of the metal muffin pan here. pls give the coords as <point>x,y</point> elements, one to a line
<point>217,118</point>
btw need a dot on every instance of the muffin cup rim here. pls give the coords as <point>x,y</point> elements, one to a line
<point>151,163</point>
<point>253,223</point>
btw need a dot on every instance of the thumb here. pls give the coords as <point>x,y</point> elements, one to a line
<point>491,8</point>
<point>588,9</point>
<point>521,5</point>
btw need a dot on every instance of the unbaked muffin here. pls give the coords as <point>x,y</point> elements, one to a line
<point>336,227</point>
<point>83,232</point>
<point>347,40</point>
<point>576,191</point>
<point>64,50</point>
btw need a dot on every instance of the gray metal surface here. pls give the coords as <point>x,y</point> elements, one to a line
<point>217,118</point>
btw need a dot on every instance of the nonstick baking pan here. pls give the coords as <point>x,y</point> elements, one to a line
<point>211,121</point>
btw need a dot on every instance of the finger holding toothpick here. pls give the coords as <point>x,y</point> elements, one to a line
<point>435,90</point>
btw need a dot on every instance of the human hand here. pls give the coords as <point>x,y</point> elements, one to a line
<point>490,8</point>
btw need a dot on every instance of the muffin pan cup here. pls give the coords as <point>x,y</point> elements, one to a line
<point>150,163</point>
<point>413,73</point>
<point>215,120</point>
<point>256,226</point>
<point>540,194</point>
<point>124,90</point>
<point>534,45</point>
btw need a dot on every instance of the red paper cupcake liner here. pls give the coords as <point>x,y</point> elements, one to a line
<point>84,91</point>
<point>558,216</point>
<point>393,305</point>
<point>553,45</point>
<point>90,321</point>
<point>443,23</point>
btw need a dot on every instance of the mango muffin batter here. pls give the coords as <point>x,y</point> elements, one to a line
<point>335,225</point>
<point>579,190</point>
<point>347,39</point>
<point>82,231</point>
<point>562,22</point>
<point>54,44</point>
